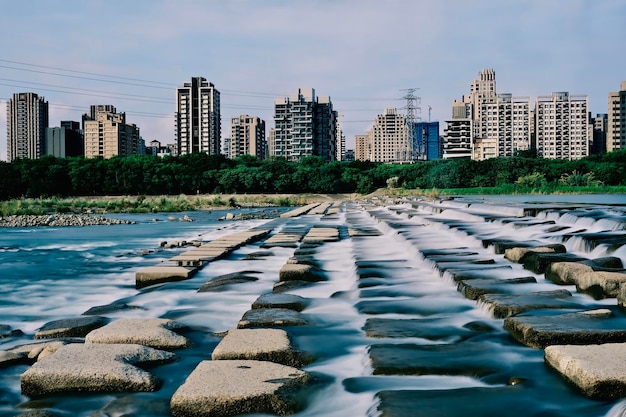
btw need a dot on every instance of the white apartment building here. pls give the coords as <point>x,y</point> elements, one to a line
<point>457,142</point>
<point>562,126</point>
<point>389,138</point>
<point>27,121</point>
<point>198,125</point>
<point>247,136</point>
<point>616,128</point>
<point>362,148</point>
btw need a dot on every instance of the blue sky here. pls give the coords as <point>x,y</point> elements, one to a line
<point>361,53</point>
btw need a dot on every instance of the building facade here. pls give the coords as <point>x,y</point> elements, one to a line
<point>562,126</point>
<point>427,134</point>
<point>616,128</point>
<point>389,138</point>
<point>599,126</point>
<point>304,125</point>
<point>247,136</point>
<point>107,134</point>
<point>198,125</point>
<point>27,121</point>
<point>362,148</point>
<point>65,141</point>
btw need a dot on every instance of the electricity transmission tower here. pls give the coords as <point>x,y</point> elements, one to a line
<point>413,110</point>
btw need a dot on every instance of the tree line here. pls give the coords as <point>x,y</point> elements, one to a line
<point>212,174</point>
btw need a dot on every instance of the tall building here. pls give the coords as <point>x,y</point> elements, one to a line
<point>65,140</point>
<point>247,136</point>
<point>562,126</point>
<point>362,148</point>
<point>616,129</point>
<point>198,125</point>
<point>599,126</point>
<point>389,137</point>
<point>107,134</point>
<point>457,135</point>
<point>27,120</point>
<point>427,134</point>
<point>304,125</point>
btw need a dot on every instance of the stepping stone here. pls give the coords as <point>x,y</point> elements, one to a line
<point>72,327</point>
<point>601,284</point>
<point>467,359</point>
<point>221,282</point>
<point>455,268</point>
<point>39,413</point>
<point>430,253</point>
<point>300,272</point>
<point>432,329</point>
<point>538,262</point>
<point>156,333</point>
<point>517,254</point>
<point>474,288</point>
<point>233,387</point>
<point>506,305</point>
<point>288,301</point>
<point>94,368</point>
<point>6,331</point>
<point>587,327</point>
<point>258,255</point>
<point>153,275</point>
<point>508,401</point>
<point>114,307</point>
<point>272,317</point>
<point>599,371</point>
<point>423,306</point>
<point>37,351</point>
<point>285,286</point>
<point>271,345</point>
<point>566,272</point>
<point>10,359</point>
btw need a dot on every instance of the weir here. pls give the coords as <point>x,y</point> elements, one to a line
<point>385,307</point>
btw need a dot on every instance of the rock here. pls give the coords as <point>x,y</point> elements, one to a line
<point>538,262</point>
<point>229,216</point>
<point>598,370</point>
<point>285,286</point>
<point>39,413</point>
<point>37,351</point>
<point>272,317</point>
<point>474,288</point>
<point>72,327</point>
<point>10,359</point>
<point>110,308</point>
<point>6,331</point>
<point>300,272</point>
<point>259,344</point>
<point>506,305</point>
<point>94,368</point>
<point>135,406</point>
<point>426,328</point>
<point>288,301</point>
<point>588,327</point>
<point>232,387</point>
<point>566,272</point>
<point>153,275</point>
<point>517,254</point>
<point>600,284</point>
<point>222,281</point>
<point>156,333</point>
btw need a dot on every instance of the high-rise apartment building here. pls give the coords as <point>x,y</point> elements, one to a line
<point>457,135</point>
<point>305,125</point>
<point>427,134</point>
<point>562,126</point>
<point>389,137</point>
<point>247,136</point>
<point>616,129</point>
<point>362,148</point>
<point>27,120</point>
<point>198,125</point>
<point>599,126</point>
<point>107,134</point>
<point>65,140</point>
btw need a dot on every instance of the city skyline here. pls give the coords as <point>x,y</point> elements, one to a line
<point>362,54</point>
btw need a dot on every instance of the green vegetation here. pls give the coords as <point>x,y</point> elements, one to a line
<point>44,185</point>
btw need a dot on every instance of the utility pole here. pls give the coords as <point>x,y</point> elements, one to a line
<point>414,149</point>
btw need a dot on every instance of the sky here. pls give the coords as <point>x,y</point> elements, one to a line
<point>363,54</point>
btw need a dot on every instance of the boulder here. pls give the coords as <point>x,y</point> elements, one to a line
<point>94,368</point>
<point>233,387</point>
<point>70,327</point>
<point>221,282</point>
<point>599,371</point>
<point>156,333</point>
<point>538,262</point>
<point>259,344</point>
<point>11,358</point>
<point>566,272</point>
<point>517,254</point>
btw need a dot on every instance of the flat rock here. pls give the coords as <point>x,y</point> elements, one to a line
<point>424,306</point>
<point>506,305</point>
<point>474,288</point>
<point>538,262</point>
<point>588,327</point>
<point>6,331</point>
<point>153,275</point>
<point>517,254</point>
<point>156,333</point>
<point>468,359</point>
<point>94,368</point>
<point>110,308</point>
<point>232,387</point>
<point>492,272</point>
<point>223,281</point>
<point>289,301</point>
<point>271,345</point>
<point>272,317</point>
<point>598,370</point>
<point>284,286</point>
<point>565,273</point>
<point>70,327</point>
<point>426,328</point>
<point>300,272</point>
<point>600,284</point>
<point>11,358</point>
<point>39,413</point>
<point>37,351</point>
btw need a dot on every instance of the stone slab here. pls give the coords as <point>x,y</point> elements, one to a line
<point>37,351</point>
<point>288,301</point>
<point>153,275</point>
<point>599,371</point>
<point>506,305</point>
<point>232,387</point>
<point>474,288</point>
<point>300,272</point>
<point>222,282</point>
<point>94,368</point>
<point>517,254</point>
<point>600,284</point>
<point>426,328</point>
<point>272,317</point>
<point>10,359</point>
<point>156,333</point>
<point>271,345</point>
<point>538,262</point>
<point>588,327</point>
<point>70,327</point>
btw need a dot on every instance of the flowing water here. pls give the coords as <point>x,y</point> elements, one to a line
<point>375,277</point>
